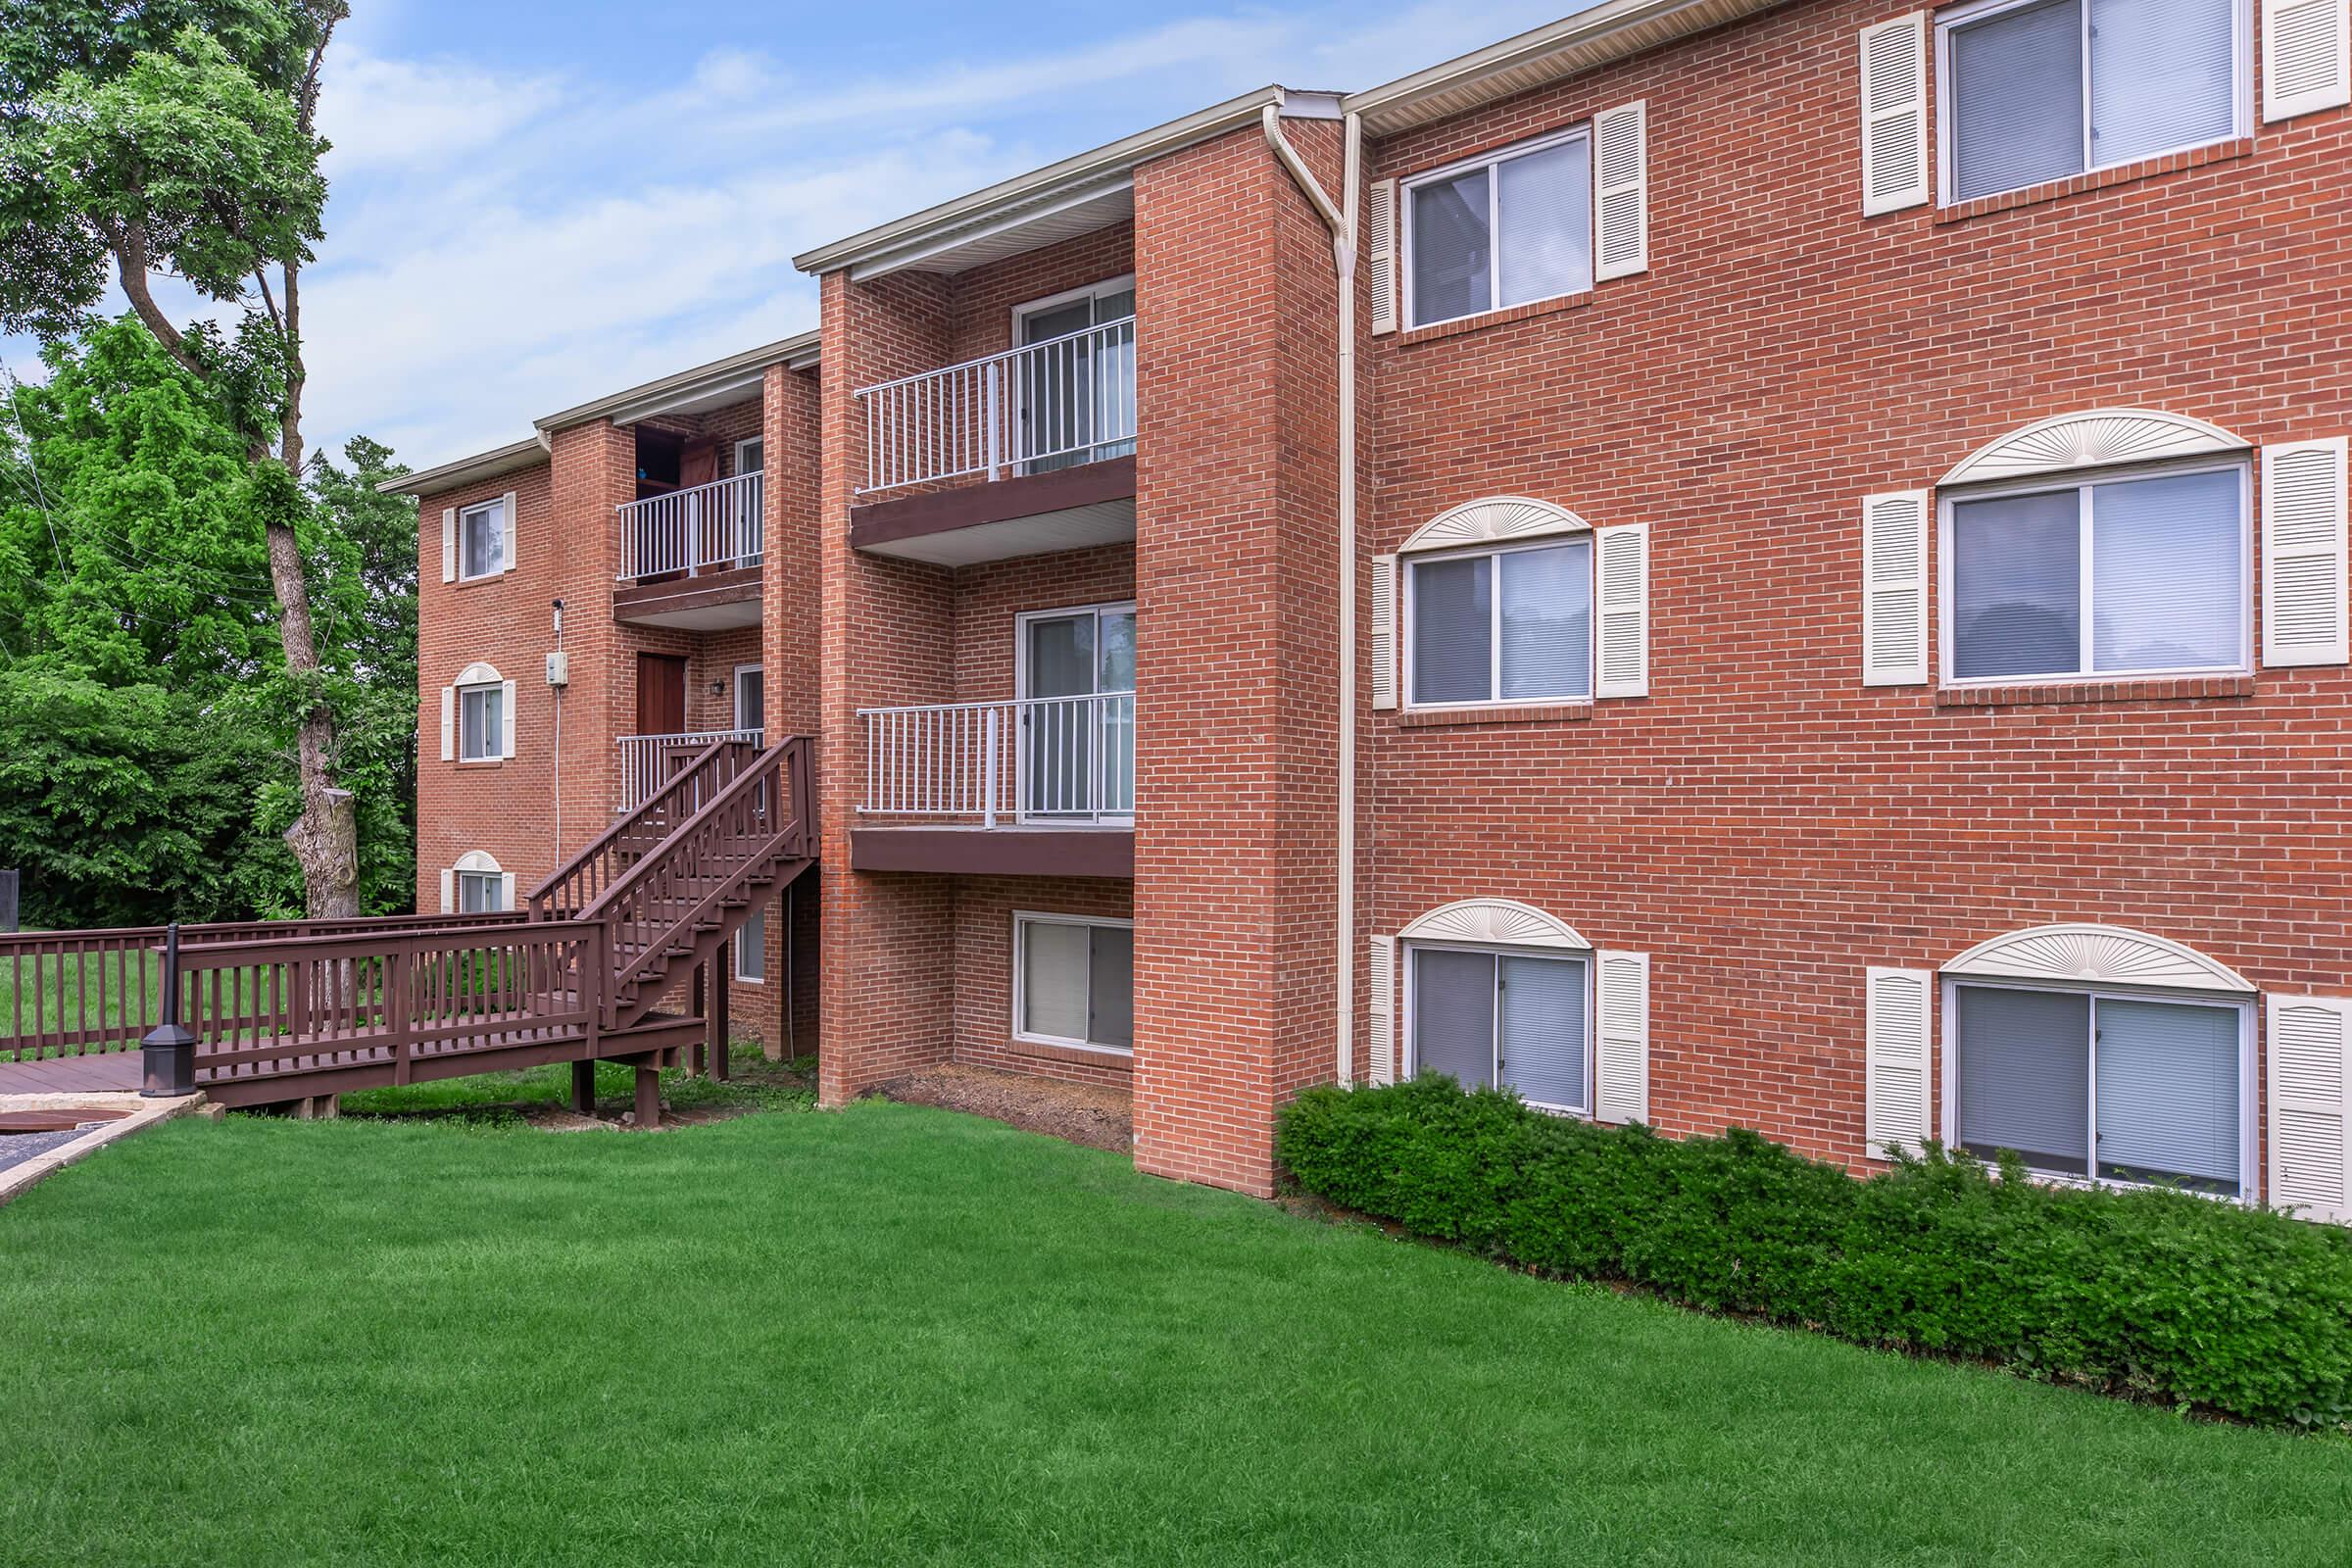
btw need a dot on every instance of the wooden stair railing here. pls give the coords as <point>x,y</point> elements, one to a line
<point>577,883</point>
<point>684,896</point>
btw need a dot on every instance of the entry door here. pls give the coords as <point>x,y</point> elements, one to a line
<point>661,693</point>
<point>1077,394</point>
<point>1077,670</point>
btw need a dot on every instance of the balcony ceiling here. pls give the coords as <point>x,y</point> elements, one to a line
<point>1063,214</point>
<point>1031,515</point>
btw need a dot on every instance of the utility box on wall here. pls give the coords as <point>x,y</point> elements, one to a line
<point>559,670</point>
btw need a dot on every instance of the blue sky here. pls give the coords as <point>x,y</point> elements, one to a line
<point>534,204</point>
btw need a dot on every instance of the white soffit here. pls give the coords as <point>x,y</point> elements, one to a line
<point>1496,922</point>
<point>1063,215</point>
<point>2095,438</point>
<point>2097,955</point>
<point>1494,520</point>
<point>1537,57</point>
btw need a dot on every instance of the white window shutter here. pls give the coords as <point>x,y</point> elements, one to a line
<point>505,890</point>
<point>1894,1048</point>
<point>1621,1063</point>
<point>2306,57</point>
<point>1384,631</point>
<point>1894,588</point>
<point>2310,1118</point>
<point>449,544</point>
<point>512,527</point>
<point>1380,252</point>
<point>506,715</point>
<point>449,890</point>
<point>1379,976</point>
<point>2303,590</point>
<point>1622,664</point>
<point>1894,114</point>
<point>449,723</point>
<point>1620,190</point>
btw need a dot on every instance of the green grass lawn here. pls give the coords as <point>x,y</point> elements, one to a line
<point>754,1083</point>
<point>902,1336</point>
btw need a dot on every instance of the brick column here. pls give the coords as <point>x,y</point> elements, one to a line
<point>1237,704</point>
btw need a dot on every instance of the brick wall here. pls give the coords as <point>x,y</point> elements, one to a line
<point>1762,824</point>
<point>983,914</point>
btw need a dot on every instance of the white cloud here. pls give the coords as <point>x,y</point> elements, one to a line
<point>409,115</point>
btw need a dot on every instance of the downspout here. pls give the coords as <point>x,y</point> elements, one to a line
<point>1341,221</point>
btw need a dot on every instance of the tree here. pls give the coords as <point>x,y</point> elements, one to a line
<point>147,719</point>
<point>178,140</point>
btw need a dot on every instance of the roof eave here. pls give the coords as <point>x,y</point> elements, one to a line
<point>702,378</point>
<point>463,472</point>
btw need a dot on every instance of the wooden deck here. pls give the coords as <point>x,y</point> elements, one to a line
<point>109,1072</point>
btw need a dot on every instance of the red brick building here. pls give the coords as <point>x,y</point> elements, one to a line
<point>1715,563</point>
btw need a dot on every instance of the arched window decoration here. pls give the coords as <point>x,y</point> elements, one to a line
<point>1501,993</point>
<point>476,885</point>
<point>1494,520</point>
<point>2093,439</point>
<point>482,702</point>
<point>2101,1053</point>
<point>478,673</point>
<point>1497,922</point>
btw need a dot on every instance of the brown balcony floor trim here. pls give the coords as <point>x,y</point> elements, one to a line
<point>975,505</point>
<point>1105,851</point>
<point>671,595</point>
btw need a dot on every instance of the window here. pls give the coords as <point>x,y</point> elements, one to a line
<point>482,539</point>
<point>751,948</point>
<point>1502,625</point>
<point>1508,229</point>
<point>1512,1020</point>
<point>2104,1086</point>
<point>750,707</point>
<point>749,456</point>
<point>1074,981</point>
<point>2123,576</point>
<point>481,724</point>
<point>1074,671</point>
<point>1074,402</point>
<point>2049,88</point>
<point>480,892</point>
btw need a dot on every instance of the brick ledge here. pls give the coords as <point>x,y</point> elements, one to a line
<point>1487,319</point>
<point>1519,713</point>
<point>2077,184</point>
<point>2157,689</point>
<point>1115,1060</point>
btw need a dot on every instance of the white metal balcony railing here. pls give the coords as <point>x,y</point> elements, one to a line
<point>1032,759</point>
<point>711,528</point>
<point>649,761</point>
<point>1051,405</point>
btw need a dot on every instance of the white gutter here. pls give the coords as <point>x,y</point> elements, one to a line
<point>1341,221</point>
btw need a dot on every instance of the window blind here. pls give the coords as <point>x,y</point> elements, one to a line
<point>1053,988</point>
<point>1453,647</point>
<point>1548,622</point>
<point>2017,599</point>
<point>1454,1015</point>
<point>2168,572</point>
<point>1545,200</point>
<point>2017,91</point>
<point>1110,986</point>
<point>1452,255</point>
<point>2025,1076</point>
<point>2163,76</point>
<point>2168,1103</point>
<point>1544,1046</point>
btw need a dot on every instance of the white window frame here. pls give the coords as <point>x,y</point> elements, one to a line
<point>496,896</point>
<point>495,739</point>
<point>466,516</point>
<point>1946,106</point>
<point>1405,621</point>
<point>759,950</point>
<point>1022,692</point>
<point>735,691</point>
<point>1022,919</point>
<point>2249,1109</point>
<point>758,441</point>
<point>1581,131</point>
<point>1068,296</point>
<point>1411,1050</point>
<point>2081,481</point>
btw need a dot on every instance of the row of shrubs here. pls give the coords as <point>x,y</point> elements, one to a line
<point>2156,1295</point>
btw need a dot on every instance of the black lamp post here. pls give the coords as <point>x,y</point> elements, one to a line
<point>169,1050</point>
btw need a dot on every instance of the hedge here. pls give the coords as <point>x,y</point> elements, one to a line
<point>2150,1294</point>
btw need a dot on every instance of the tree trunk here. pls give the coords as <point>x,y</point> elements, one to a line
<point>325,837</point>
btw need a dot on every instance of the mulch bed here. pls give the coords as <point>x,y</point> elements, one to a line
<point>1076,1113</point>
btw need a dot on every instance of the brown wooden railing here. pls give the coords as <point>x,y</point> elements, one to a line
<point>389,999</point>
<point>655,904</point>
<point>580,880</point>
<point>79,993</point>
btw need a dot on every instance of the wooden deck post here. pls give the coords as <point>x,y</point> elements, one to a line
<point>648,1096</point>
<point>698,1005</point>
<point>720,973</point>
<point>583,1088</point>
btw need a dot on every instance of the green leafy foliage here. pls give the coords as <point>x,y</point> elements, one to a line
<point>2157,1295</point>
<point>146,709</point>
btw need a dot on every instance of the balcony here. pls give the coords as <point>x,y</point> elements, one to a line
<point>691,558</point>
<point>1014,453</point>
<point>649,761</point>
<point>1037,785</point>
